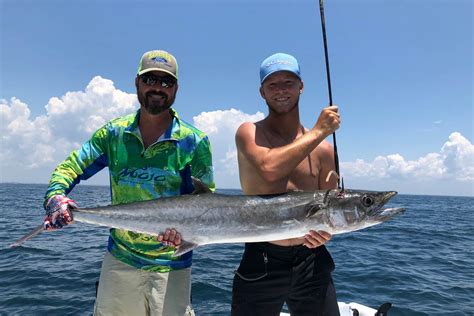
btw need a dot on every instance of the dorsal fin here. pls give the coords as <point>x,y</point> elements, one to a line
<point>199,186</point>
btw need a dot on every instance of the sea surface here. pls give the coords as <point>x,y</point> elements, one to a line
<point>422,262</point>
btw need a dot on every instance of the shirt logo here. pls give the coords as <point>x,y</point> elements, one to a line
<point>142,174</point>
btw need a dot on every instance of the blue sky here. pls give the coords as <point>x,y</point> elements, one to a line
<point>402,75</point>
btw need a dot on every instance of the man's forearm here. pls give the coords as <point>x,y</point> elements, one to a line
<point>280,162</point>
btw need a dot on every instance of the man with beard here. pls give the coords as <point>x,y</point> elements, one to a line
<point>277,155</point>
<point>150,154</point>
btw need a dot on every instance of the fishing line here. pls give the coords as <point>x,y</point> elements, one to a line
<point>323,25</point>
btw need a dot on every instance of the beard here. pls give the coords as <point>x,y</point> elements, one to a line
<point>155,102</point>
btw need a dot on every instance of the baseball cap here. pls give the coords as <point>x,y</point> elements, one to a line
<point>279,62</point>
<point>158,60</point>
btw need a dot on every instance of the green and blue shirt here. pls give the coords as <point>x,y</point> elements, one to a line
<point>137,174</point>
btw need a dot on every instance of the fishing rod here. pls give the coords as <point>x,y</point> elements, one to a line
<point>336,156</point>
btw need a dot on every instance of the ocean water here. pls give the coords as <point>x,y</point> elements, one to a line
<point>422,262</point>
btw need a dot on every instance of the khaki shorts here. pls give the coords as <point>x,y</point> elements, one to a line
<point>125,290</point>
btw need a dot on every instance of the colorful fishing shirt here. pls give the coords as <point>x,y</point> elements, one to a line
<point>136,174</point>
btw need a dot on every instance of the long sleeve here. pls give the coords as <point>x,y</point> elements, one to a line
<point>201,163</point>
<point>79,165</point>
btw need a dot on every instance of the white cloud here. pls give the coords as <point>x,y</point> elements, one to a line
<point>221,126</point>
<point>32,146</point>
<point>458,157</point>
<point>35,145</point>
<point>455,161</point>
<point>32,143</point>
<point>78,114</point>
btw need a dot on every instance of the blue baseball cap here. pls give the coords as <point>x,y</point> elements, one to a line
<point>279,62</point>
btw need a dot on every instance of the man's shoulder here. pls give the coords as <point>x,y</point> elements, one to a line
<point>251,125</point>
<point>325,146</point>
<point>246,128</point>
<point>125,120</point>
<point>120,122</point>
<point>114,126</point>
<point>324,150</point>
<point>187,129</point>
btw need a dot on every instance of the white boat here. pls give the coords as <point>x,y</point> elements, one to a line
<point>355,309</point>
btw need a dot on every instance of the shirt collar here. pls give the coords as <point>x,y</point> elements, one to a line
<point>171,133</point>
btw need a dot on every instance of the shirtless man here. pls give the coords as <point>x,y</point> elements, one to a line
<point>277,155</point>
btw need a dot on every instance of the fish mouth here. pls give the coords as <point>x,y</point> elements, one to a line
<point>381,214</point>
<point>389,213</point>
<point>388,195</point>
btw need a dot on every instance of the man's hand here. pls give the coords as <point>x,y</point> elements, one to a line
<point>58,212</point>
<point>315,239</point>
<point>170,238</point>
<point>328,121</point>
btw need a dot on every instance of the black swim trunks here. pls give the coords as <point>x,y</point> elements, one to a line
<point>270,275</point>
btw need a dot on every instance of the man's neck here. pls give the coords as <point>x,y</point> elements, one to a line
<point>153,121</point>
<point>285,125</point>
<point>153,126</point>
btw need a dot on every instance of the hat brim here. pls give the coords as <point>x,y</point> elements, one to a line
<point>157,69</point>
<point>280,70</point>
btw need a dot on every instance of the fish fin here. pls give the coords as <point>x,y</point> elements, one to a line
<point>185,247</point>
<point>312,209</point>
<point>199,186</point>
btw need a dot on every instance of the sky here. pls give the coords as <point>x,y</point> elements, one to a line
<point>401,72</point>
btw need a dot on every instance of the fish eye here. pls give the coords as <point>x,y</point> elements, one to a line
<point>367,201</point>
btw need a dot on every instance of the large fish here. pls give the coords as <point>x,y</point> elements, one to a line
<point>216,218</point>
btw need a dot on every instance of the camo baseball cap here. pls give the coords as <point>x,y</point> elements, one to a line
<point>279,62</point>
<point>158,60</point>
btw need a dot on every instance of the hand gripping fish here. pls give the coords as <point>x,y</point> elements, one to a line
<point>211,218</point>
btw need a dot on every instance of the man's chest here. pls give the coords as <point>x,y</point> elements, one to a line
<point>305,176</point>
